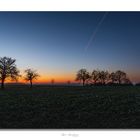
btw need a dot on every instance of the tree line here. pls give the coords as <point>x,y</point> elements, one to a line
<point>8,70</point>
<point>101,77</point>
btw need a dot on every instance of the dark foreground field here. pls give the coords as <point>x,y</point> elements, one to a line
<point>70,107</point>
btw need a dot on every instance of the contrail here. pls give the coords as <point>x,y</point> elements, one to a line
<point>95,31</point>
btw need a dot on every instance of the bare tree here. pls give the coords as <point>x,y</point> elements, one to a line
<point>103,77</point>
<point>30,76</point>
<point>120,76</point>
<point>112,77</point>
<point>95,76</point>
<point>82,75</point>
<point>8,69</point>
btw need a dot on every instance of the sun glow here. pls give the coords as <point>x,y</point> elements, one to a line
<point>47,79</point>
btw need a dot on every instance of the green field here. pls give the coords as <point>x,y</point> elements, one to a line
<point>54,107</point>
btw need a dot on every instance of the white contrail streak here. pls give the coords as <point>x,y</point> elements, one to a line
<point>95,31</point>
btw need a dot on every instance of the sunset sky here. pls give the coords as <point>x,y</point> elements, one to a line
<point>58,44</point>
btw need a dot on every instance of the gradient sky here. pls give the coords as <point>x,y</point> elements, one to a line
<point>56,44</point>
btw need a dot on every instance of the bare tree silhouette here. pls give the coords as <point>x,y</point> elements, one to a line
<point>120,76</point>
<point>112,77</point>
<point>95,76</point>
<point>82,75</point>
<point>8,69</point>
<point>103,77</point>
<point>30,76</point>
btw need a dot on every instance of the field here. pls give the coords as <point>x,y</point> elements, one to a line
<point>59,107</point>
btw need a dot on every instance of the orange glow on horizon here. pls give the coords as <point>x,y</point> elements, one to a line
<point>47,79</point>
<point>59,78</point>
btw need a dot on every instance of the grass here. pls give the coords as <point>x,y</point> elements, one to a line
<point>58,107</point>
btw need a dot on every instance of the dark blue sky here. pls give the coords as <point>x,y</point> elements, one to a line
<point>54,42</point>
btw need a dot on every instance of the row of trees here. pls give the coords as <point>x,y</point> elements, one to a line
<point>98,77</point>
<point>8,70</point>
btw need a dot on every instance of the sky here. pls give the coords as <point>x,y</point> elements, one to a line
<point>58,44</point>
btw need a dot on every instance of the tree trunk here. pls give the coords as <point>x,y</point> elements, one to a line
<point>31,84</point>
<point>2,83</point>
<point>83,83</point>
